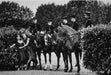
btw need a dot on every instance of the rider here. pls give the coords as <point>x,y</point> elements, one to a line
<point>65,21</point>
<point>73,22</point>
<point>22,52</point>
<point>88,19</point>
<point>67,30</point>
<point>63,31</point>
<point>29,41</point>
<point>50,27</point>
<point>24,38</point>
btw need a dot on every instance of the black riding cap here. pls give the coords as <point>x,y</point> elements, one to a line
<point>88,13</point>
<point>73,16</point>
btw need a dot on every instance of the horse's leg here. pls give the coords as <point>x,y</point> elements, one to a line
<point>45,61</point>
<point>50,60</point>
<point>79,54</point>
<point>70,60</point>
<point>22,59</point>
<point>66,61</point>
<point>19,62</point>
<point>39,57</point>
<point>28,64</point>
<point>65,58</point>
<point>28,59</point>
<point>35,61</point>
<point>77,60</point>
<point>19,65</point>
<point>58,59</point>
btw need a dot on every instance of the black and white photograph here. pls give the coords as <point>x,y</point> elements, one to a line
<point>55,37</point>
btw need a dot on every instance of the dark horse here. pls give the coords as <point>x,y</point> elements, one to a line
<point>48,49</point>
<point>40,44</point>
<point>70,45</point>
<point>44,44</point>
<point>27,54</point>
<point>31,51</point>
<point>57,48</point>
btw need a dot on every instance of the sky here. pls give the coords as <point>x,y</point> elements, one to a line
<point>33,4</point>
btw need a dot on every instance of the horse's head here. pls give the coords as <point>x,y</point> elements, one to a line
<point>48,39</point>
<point>56,37</point>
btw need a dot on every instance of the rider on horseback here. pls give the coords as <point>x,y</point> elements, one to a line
<point>73,22</point>
<point>88,22</point>
<point>29,45</point>
<point>28,38</point>
<point>66,31</point>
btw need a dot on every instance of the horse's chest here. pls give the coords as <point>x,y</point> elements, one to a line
<point>68,45</point>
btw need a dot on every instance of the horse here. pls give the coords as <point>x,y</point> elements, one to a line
<point>21,55</point>
<point>40,45</point>
<point>46,43</point>
<point>57,48</point>
<point>70,45</point>
<point>32,58</point>
<point>27,54</point>
<point>48,49</point>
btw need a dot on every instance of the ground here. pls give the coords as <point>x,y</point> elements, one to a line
<point>53,72</point>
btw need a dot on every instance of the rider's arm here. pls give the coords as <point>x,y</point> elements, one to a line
<point>45,39</point>
<point>35,43</point>
<point>26,43</point>
<point>12,45</point>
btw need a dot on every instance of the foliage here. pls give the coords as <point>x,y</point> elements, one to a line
<point>97,46</point>
<point>100,12</point>
<point>48,12</point>
<point>8,56</point>
<point>8,59</point>
<point>12,13</point>
<point>8,33</point>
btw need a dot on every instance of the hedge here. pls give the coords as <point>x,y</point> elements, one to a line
<point>97,48</point>
<point>8,56</point>
<point>8,35</point>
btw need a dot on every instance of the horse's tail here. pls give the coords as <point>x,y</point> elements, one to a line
<point>80,54</point>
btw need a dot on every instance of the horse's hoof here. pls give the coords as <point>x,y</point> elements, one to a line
<point>44,69</point>
<point>56,69</point>
<point>78,70</point>
<point>70,70</point>
<point>77,73</point>
<point>76,65</point>
<point>50,69</point>
<point>65,70</point>
<point>18,69</point>
<point>40,68</point>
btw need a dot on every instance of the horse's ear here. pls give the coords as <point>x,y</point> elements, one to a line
<point>54,32</point>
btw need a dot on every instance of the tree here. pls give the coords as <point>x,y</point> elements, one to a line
<point>99,11</point>
<point>13,14</point>
<point>49,11</point>
<point>44,13</point>
<point>77,7</point>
